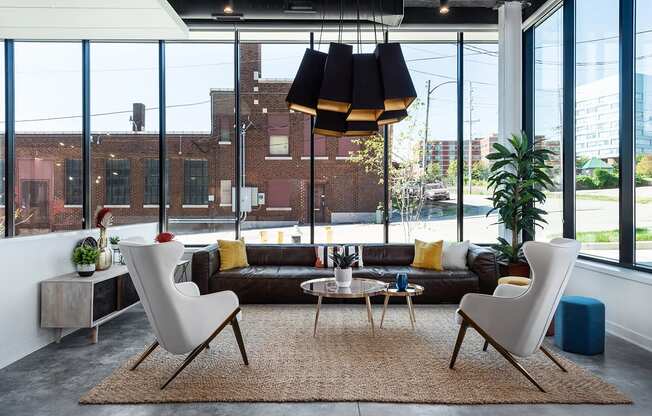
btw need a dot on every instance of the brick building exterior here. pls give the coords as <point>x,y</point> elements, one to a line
<point>124,168</point>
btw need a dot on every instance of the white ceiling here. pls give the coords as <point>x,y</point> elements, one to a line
<point>90,19</point>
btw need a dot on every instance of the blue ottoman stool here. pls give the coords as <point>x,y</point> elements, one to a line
<point>579,325</point>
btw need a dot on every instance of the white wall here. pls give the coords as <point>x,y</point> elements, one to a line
<point>24,262</point>
<point>627,296</point>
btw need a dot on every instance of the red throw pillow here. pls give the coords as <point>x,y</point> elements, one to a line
<point>164,237</point>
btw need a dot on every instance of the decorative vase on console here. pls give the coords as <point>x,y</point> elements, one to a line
<point>343,271</point>
<point>105,258</point>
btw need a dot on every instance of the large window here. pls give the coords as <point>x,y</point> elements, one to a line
<point>195,182</point>
<point>597,127</point>
<point>48,132</point>
<point>200,127</point>
<point>643,132</point>
<point>423,175</point>
<point>124,124</point>
<point>274,197</point>
<point>548,74</point>
<point>480,134</point>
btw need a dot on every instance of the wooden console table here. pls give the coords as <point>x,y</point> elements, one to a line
<point>71,301</point>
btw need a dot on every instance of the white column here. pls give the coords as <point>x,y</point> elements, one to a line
<point>509,76</point>
<point>509,69</point>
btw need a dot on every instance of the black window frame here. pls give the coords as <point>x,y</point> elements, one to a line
<point>73,188</point>
<point>195,182</point>
<point>117,190</point>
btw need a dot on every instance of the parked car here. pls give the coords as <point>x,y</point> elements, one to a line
<point>436,192</point>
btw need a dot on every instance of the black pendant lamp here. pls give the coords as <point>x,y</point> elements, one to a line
<point>361,128</point>
<point>304,92</point>
<point>397,83</point>
<point>335,92</point>
<point>330,123</point>
<point>391,117</point>
<point>368,100</point>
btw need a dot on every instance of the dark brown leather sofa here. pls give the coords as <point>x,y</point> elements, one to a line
<point>275,272</point>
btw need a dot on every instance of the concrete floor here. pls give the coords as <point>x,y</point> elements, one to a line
<point>51,381</point>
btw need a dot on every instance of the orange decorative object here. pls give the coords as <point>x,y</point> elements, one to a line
<point>164,237</point>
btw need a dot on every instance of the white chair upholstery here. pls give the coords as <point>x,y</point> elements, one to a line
<point>182,320</point>
<point>515,318</point>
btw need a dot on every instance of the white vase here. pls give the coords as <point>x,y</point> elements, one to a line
<point>343,277</point>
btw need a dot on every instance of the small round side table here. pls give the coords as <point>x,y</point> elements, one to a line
<point>408,293</point>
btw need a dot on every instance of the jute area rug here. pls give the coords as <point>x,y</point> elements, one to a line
<point>345,363</point>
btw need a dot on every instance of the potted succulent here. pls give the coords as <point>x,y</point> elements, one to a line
<point>343,271</point>
<point>518,178</point>
<point>84,258</point>
<point>114,240</point>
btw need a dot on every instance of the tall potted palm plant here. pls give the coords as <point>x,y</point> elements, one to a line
<point>518,179</point>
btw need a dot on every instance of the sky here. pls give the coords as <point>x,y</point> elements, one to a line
<point>48,77</point>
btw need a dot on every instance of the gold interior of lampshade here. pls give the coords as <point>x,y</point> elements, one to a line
<point>403,103</point>
<point>388,121</point>
<point>302,109</point>
<point>364,115</point>
<point>350,133</point>
<point>336,106</point>
<point>325,132</point>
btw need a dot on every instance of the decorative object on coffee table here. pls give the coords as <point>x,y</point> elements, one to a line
<point>103,221</point>
<point>410,291</point>
<point>359,288</point>
<point>84,258</point>
<point>343,263</point>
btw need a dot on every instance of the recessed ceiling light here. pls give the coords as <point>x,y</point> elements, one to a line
<point>443,7</point>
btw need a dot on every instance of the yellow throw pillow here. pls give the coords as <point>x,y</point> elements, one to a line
<point>428,255</point>
<point>233,254</point>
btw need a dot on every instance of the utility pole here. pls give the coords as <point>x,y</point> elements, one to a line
<point>470,121</point>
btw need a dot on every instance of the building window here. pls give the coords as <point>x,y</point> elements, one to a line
<point>195,182</point>
<point>117,182</point>
<point>225,192</point>
<point>73,182</point>
<point>320,141</point>
<point>279,145</point>
<point>278,193</point>
<point>346,146</point>
<point>151,182</point>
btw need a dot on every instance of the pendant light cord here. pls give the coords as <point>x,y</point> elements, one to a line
<point>357,3</point>
<point>373,17</point>
<point>339,33</point>
<point>323,18</point>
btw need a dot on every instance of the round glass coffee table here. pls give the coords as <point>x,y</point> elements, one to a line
<point>360,288</point>
<point>411,290</point>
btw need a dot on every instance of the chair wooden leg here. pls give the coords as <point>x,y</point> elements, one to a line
<point>553,359</point>
<point>200,348</point>
<point>238,337</point>
<point>486,344</point>
<point>509,357</point>
<point>458,343</point>
<point>144,355</point>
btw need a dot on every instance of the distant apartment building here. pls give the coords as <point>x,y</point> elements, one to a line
<point>443,152</point>
<point>597,118</point>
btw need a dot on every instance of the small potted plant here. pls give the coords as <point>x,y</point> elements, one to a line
<point>343,271</point>
<point>84,258</point>
<point>114,240</point>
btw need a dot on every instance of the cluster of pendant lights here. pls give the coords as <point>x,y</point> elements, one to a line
<point>352,94</point>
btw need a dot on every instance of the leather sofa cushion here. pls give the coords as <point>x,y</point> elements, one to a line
<point>281,255</point>
<point>388,255</point>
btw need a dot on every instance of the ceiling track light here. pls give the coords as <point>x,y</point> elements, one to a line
<point>443,7</point>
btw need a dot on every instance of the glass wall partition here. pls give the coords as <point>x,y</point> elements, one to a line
<point>597,127</point>
<point>643,133</point>
<point>275,176</point>
<point>200,102</point>
<point>548,108</point>
<point>480,134</point>
<point>47,172</point>
<point>423,152</point>
<point>124,125</point>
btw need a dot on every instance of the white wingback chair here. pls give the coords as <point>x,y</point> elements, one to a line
<point>515,319</point>
<point>182,320</point>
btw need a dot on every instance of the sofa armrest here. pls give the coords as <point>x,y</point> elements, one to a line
<point>482,262</point>
<point>205,263</point>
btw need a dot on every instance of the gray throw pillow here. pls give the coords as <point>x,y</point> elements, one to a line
<point>454,255</point>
